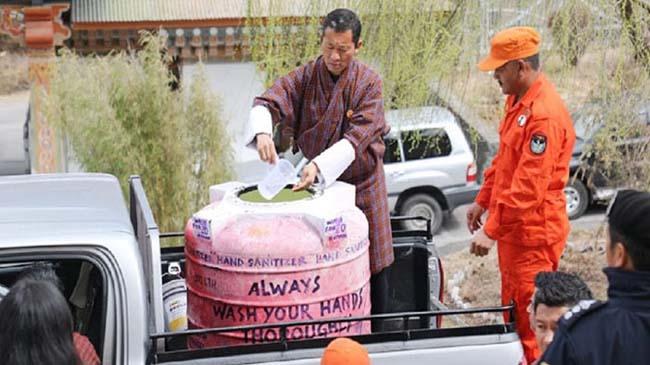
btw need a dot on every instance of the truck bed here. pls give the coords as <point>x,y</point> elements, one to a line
<point>414,338</point>
<point>489,344</point>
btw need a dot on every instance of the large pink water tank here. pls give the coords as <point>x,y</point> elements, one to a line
<point>259,263</point>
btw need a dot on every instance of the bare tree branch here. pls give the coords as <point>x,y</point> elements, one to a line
<point>636,29</point>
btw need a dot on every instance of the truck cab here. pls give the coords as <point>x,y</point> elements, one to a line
<point>80,223</point>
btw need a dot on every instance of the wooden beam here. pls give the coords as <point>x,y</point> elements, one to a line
<point>198,23</point>
<point>160,24</point>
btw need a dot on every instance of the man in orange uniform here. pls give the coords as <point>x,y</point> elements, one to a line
<point>523,188</point>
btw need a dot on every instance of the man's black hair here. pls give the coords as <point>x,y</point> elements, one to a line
<point>559,289</point>
<point>638,252</point>
<point>534,61</point>
<point>37,325</point>
<point>342,20</point>
<point>628,216</point>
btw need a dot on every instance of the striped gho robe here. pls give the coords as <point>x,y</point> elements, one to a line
<point>319,111</point>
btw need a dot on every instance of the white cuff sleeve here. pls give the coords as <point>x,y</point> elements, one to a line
<point>334,160</point>
<point>259,121</point>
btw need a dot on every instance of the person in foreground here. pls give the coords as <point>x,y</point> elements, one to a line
<point>523,189</point>
<point>344,351</point>
<point>36,326</point>
<point>555,294</point>
<point>44,272</point>
<point>334,109</point>
<point>616,331</point>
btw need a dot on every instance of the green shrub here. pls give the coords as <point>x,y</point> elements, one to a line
<point>120,116</point>
<point>410,43</point>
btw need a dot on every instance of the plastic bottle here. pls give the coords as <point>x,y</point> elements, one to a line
<point>174,299</point>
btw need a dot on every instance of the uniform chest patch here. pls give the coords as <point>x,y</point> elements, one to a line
<point>538,144</point>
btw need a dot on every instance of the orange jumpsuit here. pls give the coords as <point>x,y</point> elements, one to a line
<point>523,193</point>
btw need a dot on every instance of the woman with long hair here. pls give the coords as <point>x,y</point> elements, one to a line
<point>37,326</point>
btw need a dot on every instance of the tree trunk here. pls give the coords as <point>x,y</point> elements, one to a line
<point>636,30</point>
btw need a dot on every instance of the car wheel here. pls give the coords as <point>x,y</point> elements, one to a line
<point>422,205</point>
<point>577,199</point>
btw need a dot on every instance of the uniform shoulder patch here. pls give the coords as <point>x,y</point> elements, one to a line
<point>580,310</point>
<point>538,144</point>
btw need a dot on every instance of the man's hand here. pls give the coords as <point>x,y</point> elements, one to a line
<point>266,148</point>
<point>307,178</point>
<point>474,214</point>
<point>481,244</point>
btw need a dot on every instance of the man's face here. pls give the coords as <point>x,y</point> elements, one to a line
<point>616,254</point>
<point>609,254</point>
<point>508,76</point>
<point>544,323</point>
<point>338,50</point>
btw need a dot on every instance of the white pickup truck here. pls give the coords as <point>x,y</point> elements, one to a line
<point>110,261</point>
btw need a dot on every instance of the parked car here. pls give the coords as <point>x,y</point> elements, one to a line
<point>429,165</point>
<point>588,184</point>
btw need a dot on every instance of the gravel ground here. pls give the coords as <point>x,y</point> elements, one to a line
<point>474,282</point>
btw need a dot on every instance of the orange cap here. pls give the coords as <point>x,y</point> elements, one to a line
<point>344,351</point>
<point>511,44</point>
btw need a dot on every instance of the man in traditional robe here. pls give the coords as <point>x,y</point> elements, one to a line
<point>333,108</point>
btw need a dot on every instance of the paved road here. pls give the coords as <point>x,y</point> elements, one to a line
<point>454,236</point>
<point>13,110</point>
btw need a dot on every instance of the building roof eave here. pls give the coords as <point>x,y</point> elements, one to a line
<point>224,22</point>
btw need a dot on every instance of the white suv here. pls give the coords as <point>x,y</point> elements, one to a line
<point>429,165</point>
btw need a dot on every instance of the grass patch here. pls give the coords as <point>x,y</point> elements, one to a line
<point>14,74</point>
<point>480,285</point>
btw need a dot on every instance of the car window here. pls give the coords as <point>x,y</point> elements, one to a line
<point>426,143</point>
<point>393,153</point>
<point>80,281</point>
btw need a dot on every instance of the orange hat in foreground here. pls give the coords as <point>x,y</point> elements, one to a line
<point>344,351</point>
<point>511,44</point>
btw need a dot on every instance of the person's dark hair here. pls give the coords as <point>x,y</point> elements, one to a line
<point>559,289</point>
<point>639,253</point>
<point>342,20</point>
<point>534,61</point>
<point>41,271</point>
<point>36,325</point>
